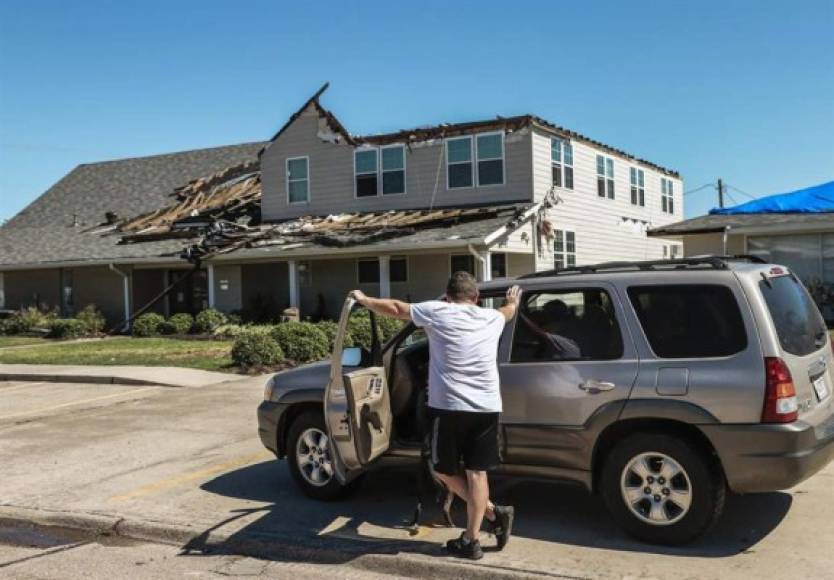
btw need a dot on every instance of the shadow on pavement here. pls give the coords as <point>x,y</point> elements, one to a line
<point>372,520</point>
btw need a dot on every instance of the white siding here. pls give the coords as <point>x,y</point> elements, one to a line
<point>331,175</point>
<point>598,222</point>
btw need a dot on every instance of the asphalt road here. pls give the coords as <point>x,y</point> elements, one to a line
<point>190,457</point>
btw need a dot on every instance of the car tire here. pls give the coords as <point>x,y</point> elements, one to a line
<point>631,481</point>
<point>309,426</point>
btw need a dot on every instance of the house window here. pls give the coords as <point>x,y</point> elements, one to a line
<point>459,162</point>
<point>305,274</point>
<point>564,249</point>
<point>638,187</point>
<point>561,158</point>
<point>605,177</point>
<point>490,159</point>
<point>298,179</point>
<point>367,270</point>
<point>463,262</point>
<point>667,196</point>
<point>393,170</point>
<point>398,269</point>
<point>365,169</point>
<point>498,266</point>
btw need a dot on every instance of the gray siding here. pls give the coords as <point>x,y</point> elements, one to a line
<point>699,244</point>
<point>25,288</point>
<point>228,295</point>
<point>332,178</point>
<point>102,288</point>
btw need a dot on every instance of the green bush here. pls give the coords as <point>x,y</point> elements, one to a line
<point>329,328</point>
<point>256,349</point>
<point>208,320</point>
<point>359,328</point>
<point>301,341</point>
<point>28,320</point>
<point>5,327</point>
<point>178,324</point>
<point>234,330</point>
<point>149,324</point>
<point>92,318</point>
<point>67,328</point>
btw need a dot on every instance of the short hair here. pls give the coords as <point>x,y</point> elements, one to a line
<point>462,286</point>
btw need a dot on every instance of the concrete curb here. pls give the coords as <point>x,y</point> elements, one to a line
<point>89,379</point>
<point>392,556</point>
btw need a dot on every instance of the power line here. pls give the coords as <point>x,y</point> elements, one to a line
<point>706,185</point>
<point>734,188</point>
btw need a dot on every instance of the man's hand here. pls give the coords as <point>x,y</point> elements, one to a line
<point>359,296</point>
<point>511,302</point>
<point>513,295</point>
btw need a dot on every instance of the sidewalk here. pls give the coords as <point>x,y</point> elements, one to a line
<point>120,375</point>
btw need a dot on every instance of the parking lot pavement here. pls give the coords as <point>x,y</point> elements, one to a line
<point>191,458</point>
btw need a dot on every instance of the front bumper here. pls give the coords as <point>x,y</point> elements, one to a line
<point>759,458</point>
<point>269,419</point>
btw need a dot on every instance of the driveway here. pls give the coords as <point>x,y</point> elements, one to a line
<point>190,458</point>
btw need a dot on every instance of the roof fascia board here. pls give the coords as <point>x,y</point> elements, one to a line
<point>162,262</point>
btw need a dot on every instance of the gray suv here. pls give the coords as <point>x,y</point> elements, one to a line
<point>657,385</point>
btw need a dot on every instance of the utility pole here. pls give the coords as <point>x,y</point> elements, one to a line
<point>720,193</point>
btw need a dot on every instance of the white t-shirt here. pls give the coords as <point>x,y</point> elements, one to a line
<point>463,351</point>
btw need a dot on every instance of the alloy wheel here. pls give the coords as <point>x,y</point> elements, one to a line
<point>312,452</point>
<point>656,489</point>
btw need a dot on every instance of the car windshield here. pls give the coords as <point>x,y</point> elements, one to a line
<point>798,322</point>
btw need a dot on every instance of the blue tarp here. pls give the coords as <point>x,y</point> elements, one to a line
<point>816,199</point>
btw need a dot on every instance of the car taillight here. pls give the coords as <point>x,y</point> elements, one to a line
<point>780,405</point>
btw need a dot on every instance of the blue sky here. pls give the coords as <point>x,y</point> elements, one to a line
<point>732,89</point>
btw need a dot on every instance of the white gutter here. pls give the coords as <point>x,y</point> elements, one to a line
<point>156,261</point>
<point>508,229</point>
<point>126,287</point>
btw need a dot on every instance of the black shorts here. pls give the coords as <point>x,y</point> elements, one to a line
<point>468,435</point>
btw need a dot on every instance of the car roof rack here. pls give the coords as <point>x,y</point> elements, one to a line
<point>708,262</point>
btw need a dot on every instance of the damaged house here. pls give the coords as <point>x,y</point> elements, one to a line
<point>315,211</point>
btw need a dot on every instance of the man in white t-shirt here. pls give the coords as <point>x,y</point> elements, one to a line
<point>464,396</point>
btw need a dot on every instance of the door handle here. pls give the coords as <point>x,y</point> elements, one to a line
<point>593,387</point>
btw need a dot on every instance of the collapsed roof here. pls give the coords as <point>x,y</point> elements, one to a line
<point>220,214</point>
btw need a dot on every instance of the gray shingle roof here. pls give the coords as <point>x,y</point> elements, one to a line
<point>43,232</point>
<point>716,223</point>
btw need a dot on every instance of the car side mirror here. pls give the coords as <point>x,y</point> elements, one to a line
<point>352,357</point>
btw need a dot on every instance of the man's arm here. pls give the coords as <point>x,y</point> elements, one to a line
<point>384,306</point>
<point>511,303</point>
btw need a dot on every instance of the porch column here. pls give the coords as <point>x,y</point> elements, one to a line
<point>385,276</point>
<point>2,291</point>
<point>211,290</point>
<point>292,268</point>
<point>486,266</point>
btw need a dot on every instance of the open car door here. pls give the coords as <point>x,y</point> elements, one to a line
<point>357,406</point>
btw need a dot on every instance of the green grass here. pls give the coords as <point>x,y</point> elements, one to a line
<point>19,340</point>
<point>210,355</point>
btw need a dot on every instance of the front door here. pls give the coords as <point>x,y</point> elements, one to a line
<point>568,358</point>
<point>191,293</point>
<point>357,407</point>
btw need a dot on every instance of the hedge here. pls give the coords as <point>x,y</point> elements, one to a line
<point>208,320</point>
<point>67,328</point>
<point>28,320</point>
<point>359,328</point>
<point>301,341</point>
<point>256,349</point>
<point>92,318</point>
<point>149,324</point>
<point>178,324</point>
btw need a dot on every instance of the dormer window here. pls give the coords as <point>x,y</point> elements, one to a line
<point>490,159</point>
<point>373,178</point>
<point>459,172</point>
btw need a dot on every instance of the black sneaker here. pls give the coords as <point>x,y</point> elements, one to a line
<point>463,548</point>
<point>502,525</point>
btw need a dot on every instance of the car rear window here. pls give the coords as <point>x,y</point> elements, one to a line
<point>690,321</point>
<point>798,322</point>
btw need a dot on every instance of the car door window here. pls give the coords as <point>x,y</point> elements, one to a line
<point>567,325</point>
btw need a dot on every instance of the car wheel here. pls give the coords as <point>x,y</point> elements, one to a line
<point>309,457</point>
<point>661,489</point>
